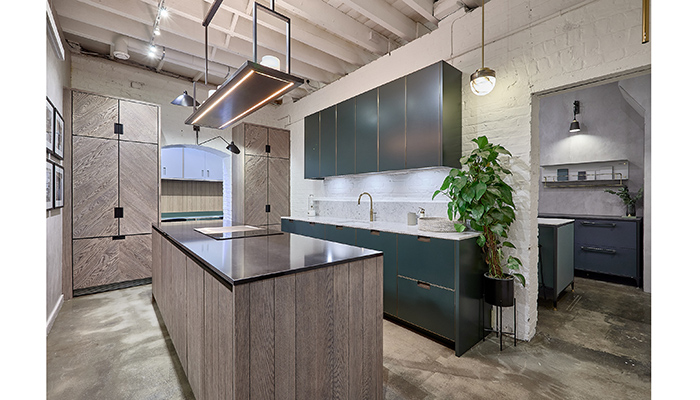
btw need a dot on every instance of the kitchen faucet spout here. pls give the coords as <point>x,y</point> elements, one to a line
<point>371,207</point>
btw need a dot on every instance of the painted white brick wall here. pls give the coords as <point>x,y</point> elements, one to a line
<point>534,46</point>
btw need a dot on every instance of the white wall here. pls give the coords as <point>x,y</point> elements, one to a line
<point>535,46</point>
<point>57,78</point>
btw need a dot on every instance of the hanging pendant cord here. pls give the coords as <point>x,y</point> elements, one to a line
<point>482,33</point>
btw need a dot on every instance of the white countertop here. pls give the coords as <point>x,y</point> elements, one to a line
<point>387,227</point>
<point>554,221</point>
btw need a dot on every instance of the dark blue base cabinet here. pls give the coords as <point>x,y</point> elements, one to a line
<point>431,285</point>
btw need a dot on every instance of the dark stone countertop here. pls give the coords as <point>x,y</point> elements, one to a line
<point>250,257</point>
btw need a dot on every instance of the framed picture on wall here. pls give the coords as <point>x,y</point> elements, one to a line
<point>49,124</point>
<point>58,134</point>
<point>49,185</point>
<point>58,184</point>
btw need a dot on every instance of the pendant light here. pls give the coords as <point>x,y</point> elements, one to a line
<point>574,127</point>
<point>484,79</point>
<point>184,100</point>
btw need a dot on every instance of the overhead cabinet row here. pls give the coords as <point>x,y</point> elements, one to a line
<point>411,122</point>
<point>179,162</point>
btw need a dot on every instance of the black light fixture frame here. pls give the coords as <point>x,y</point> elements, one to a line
<point>231,146</point>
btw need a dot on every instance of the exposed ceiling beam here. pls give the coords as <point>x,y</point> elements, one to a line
<point>443,8</point>
<point>425,9</point>
<point>385,15</point>
<point>337,23</point>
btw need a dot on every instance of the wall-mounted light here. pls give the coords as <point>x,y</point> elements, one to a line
<point>574,127</point>
<point>231,146</point>
<point>483,80</point>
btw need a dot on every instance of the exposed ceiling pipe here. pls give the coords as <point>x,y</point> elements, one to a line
<point>121,48</point>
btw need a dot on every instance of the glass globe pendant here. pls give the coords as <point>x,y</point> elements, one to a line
<point>483,80</point>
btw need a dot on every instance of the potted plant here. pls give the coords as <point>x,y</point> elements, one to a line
<point>628,200</point>
<point>479,196</point>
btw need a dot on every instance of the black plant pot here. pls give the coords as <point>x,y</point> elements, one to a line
<point>631,210</point>
<point>499,292</point>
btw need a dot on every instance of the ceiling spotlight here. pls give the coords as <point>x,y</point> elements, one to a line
<point>152,51</point>
<point>156,31</point>
<point>575,127</point>
<point>164,12</point>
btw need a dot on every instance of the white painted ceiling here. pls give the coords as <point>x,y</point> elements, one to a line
<point>329,38</point>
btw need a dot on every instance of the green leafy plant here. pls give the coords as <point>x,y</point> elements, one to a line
<point>624,194</point>
<point>478,195</point>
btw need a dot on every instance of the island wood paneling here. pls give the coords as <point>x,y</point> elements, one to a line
<point>195,327</point>
<point>94,115</point>
<point>140,121</point>
<point>179,303</point>
<point>315,334</point>
<point>156,264</point>
<point>95,187</point>
<point>138,193</point>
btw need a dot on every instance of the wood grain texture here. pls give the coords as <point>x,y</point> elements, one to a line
<point>241,342</point>
<point>95,187</point>
<point>355,325</point>
<point>195,327</point>
<point>262,340</point>
<point>285,337</point>
<point>166,278</point>
<point>178,333</point>
<point>278,139</point>
<point>135,257</point>
<point>256,181</point>
<point>156,264</point>
<point>67,242</point>
<point>138,193</point>
<point>95,262</point>
<point>255,140</point>
<point>314,342</point>
<point>140,121</point>
<point>370,341</point>
<point>184,196</point>
<point>340,331</point>
<point>94,115</point>
<point>278,190</point>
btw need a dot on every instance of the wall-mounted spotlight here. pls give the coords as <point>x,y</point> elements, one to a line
<point>574,127</point>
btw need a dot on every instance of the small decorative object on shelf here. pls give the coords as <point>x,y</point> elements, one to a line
<point>628,200</point>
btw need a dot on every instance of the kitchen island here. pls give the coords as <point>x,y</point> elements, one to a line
<point>265,314</point>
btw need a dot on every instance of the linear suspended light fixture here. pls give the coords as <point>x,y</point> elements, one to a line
<point>251,87</point>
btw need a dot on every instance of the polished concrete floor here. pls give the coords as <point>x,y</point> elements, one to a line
<point>596,345</point>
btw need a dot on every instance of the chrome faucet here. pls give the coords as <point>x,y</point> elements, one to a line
<point>371,208</point>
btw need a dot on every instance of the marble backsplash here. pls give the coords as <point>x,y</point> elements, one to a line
<point>394,195</point>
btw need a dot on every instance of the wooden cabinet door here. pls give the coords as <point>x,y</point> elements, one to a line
<point>138,177</point>
<point>94,115</point>
<point>278,139</point>
<point>103,261</point>
<point>278,189</point>
<point>139,120</point>
<point>256,184</point>
<point>95,187</point>
<point>255,140</point>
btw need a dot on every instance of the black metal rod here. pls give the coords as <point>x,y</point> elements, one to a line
<point>212,11</point>
<point>255,33</point>
<point>206,55</point>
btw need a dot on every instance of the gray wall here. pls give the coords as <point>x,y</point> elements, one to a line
<point>611,129</point>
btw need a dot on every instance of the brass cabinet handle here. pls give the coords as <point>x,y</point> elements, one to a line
<point>424,239</point>
<point>423,285</point>
<point>375,233</point>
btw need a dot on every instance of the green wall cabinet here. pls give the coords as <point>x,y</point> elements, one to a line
<point>411,122</point>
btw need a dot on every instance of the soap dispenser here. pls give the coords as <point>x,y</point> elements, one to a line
<point>421,212</point>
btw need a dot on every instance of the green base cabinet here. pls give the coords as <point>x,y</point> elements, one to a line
<point>433,285</point>
<point>384,242</point>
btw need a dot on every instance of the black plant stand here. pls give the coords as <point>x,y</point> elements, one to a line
<point>499,324</point>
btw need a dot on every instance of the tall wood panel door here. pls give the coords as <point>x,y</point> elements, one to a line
<point>278,139</point>
<point>94,115</point>
<point>278,193</point>
<point>95,187</point>
<point>255,140</point>
<point>138,194</point>
<point>139,121</point>
<point>256,186</point>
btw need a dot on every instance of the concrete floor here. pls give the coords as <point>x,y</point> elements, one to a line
<point>597,345</point>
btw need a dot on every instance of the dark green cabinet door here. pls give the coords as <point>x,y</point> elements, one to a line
<point>310,229</point>
<point>340,234</point>
<point>385,242</point>
<point>327,153</point>
<point>366,130</point>
<point>345,137</point>
<point>423,93</point>
<point>427,259</point>
<point>311,146</point>
<point>392,125</point>
<point>427,306</point>
<point>289,226</point>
